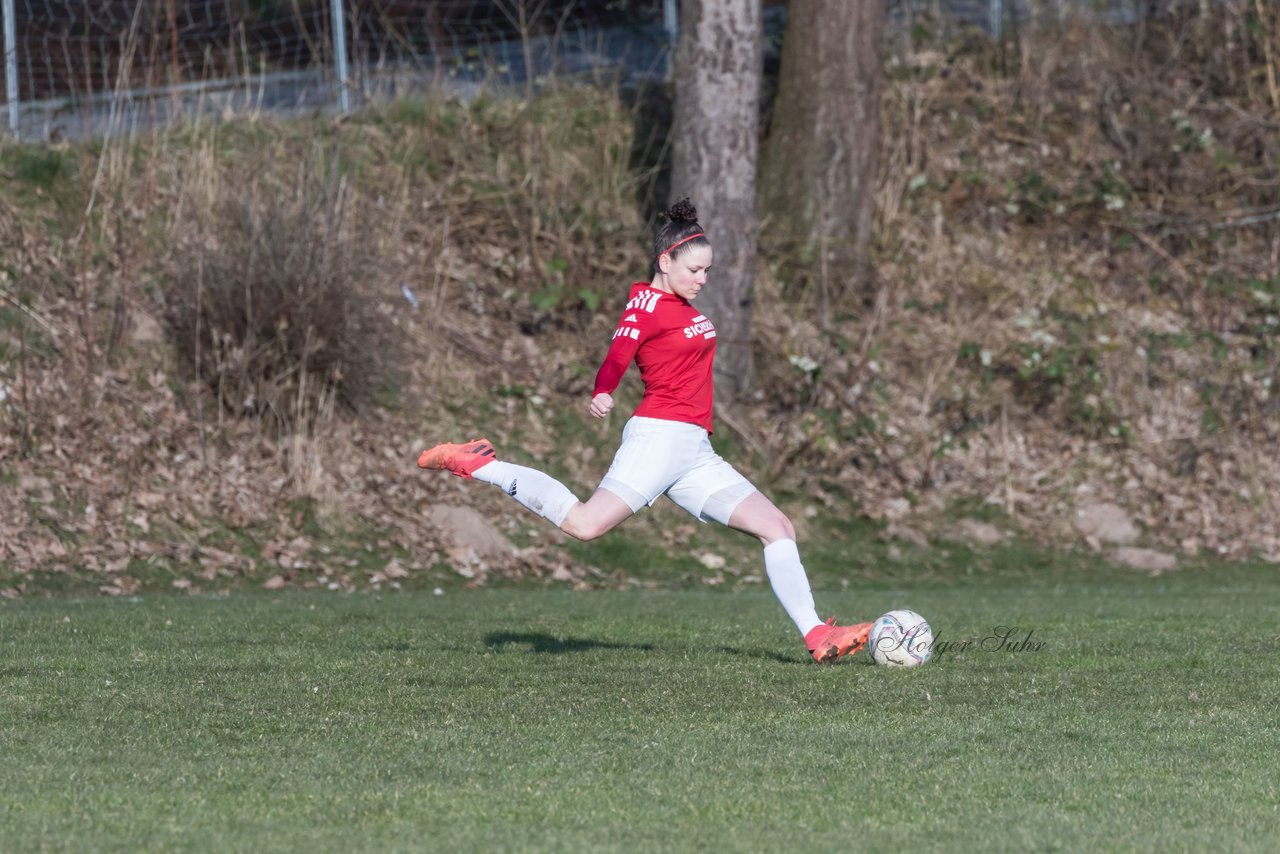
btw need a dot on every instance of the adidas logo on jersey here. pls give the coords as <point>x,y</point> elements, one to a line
<point>630,318</point>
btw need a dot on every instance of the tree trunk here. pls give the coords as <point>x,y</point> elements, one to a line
<point>823,148</point>
<point>719,59</point>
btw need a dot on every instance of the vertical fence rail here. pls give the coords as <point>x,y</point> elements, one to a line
<point>339,25</point>
<point>671,25</point>
<point>11,65</point>
<point>78,44</point>
<point>670,19</point>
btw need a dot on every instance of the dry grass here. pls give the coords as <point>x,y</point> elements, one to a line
<point>250,262</point>
<point>1077,303</point>
<point>272,288</point>
<point>1079,290</point>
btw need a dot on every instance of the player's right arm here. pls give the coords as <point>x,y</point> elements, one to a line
<point>601,404</point>
<point>632,330</point>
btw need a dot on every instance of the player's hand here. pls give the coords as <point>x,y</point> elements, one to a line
<point>601,404</point>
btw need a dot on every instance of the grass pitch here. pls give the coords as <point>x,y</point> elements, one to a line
<point>1119,713</point>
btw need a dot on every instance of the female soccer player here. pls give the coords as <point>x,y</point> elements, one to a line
<point>665,447</point>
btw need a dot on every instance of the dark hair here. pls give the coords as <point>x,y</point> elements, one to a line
<point>681,224</point>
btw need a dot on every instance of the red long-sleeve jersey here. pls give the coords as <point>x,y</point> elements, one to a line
<point>674,346</point>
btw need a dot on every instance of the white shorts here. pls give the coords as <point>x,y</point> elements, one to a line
<point>672,457</point>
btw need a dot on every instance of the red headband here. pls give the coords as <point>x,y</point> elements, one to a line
<point>667,251</point>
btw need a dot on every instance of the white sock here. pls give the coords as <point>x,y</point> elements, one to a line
<point>790,583</point>
<point>541,493</point>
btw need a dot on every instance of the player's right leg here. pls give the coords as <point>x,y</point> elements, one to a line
<point>602,512</point>
<point>653,453</point>
<point>462,459</point>
<point>536,490</point>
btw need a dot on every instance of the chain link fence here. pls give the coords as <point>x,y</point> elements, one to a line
<point>75,68</point>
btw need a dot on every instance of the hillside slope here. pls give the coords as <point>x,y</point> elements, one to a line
<point>222,348</point>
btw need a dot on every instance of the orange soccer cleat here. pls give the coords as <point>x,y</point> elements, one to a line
<point>461,459</point>
<point>829,641</point>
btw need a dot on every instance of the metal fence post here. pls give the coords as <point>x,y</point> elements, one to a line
<point>996,19</point>
<point>671,24</point>
<point>11,65</point>
<point>340,54</point>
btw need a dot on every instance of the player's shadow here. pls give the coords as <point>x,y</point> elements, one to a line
<point>555,645</point>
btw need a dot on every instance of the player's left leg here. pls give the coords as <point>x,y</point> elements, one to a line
<point>758,516</point>
<point>715,491</point>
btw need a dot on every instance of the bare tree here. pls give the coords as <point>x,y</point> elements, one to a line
<point>820,159</point>
<point>719,57</point>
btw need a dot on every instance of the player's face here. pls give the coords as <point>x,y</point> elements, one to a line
<point>686,275</point>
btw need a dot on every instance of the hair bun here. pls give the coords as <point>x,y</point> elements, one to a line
<point>683,211</point>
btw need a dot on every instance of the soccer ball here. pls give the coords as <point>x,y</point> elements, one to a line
<point>900,638</point>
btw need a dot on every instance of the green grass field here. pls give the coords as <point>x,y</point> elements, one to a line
<point>540,720</point>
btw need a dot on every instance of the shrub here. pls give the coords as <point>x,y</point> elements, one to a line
<point>272,308</point>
